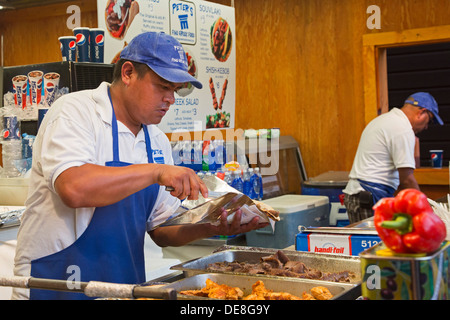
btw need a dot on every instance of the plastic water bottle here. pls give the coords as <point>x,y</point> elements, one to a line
<point>228,178</point>
<point>247,181</point>
<point>257,190</point>
<point>11,152</point>
<point>11,144</point>
<point>238,183</point>
<point>176,153</point>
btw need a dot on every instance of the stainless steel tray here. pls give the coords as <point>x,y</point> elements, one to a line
<point>290,285</point>
<point>322,262</point>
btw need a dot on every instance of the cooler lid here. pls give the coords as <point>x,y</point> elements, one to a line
<point>295,202</point>
<point>330,178</point>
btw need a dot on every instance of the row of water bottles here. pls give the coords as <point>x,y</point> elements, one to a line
<point>247,181</point>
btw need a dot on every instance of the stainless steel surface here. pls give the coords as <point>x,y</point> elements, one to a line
<point>292,286</point>
<point>322,262</point>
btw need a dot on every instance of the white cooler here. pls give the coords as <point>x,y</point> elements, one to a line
<point>295,210</point>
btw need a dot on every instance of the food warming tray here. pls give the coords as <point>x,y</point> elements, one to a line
<point>290,285</point>
<point>322,262</point>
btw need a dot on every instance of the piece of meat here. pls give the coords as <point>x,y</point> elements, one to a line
<point>273,261</point>
<point>296,266</point>
<point>282,257</point>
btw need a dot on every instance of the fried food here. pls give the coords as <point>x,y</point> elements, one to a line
<point>216,291</point>
<point>259,292</point>
<point>321,293</point>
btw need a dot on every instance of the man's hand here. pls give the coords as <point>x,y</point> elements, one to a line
<point>235,227</point>
<point>183,182</point>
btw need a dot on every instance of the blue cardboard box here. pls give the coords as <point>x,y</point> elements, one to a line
<point>346,244</point>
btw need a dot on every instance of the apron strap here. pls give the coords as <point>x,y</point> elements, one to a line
<point>115,135</point>
<point>148,144</point>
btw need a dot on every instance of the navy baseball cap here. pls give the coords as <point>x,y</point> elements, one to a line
<point>163,54</point>
<point>425,100</point>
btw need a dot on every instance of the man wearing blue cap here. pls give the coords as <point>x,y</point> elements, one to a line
<point>384,161</point>
<point>100,171</point>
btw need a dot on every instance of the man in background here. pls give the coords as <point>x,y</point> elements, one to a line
<point>384,162</point>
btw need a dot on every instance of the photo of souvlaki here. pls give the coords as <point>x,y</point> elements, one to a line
<point>221,195</point>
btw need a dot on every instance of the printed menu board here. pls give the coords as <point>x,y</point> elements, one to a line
<point>208,35</point>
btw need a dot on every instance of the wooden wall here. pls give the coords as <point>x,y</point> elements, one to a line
<point>299,63</point>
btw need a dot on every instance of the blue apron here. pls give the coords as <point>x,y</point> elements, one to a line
<point>112,247</point>
<point>378,190</point>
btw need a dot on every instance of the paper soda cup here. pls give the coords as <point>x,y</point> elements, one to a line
<point>68,47</point>
<point>20,90</point>
<point>51,83</point>
<point>82,34</point>
<point>97,43</point>
<point>35,80</point>
<point>436,158</point>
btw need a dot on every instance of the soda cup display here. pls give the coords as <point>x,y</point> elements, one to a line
<point>68,47</point>
<point>35,80</point>
<point>20,90</point>
<point>82,35</point>
<point>51,83</point>
<point>436,158</point>
<point>97,37</point>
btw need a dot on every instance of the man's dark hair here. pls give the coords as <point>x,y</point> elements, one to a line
<point>141,69</point>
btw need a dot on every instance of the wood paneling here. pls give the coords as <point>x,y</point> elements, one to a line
<point>31,35</point>
<point>299,63</point>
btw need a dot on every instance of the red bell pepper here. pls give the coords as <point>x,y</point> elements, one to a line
<point>408,224</point>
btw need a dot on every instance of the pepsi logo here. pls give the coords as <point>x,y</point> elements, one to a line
<point>72,45</point>
<point>434,156</point>
<point>100,39</point>
<point>81,39</point>
<point>50,87</point>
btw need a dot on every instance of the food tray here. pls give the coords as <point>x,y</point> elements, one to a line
<point>322,262</point>
<point>290,285</point>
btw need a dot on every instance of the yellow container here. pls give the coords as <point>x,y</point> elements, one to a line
<point>390,276</point>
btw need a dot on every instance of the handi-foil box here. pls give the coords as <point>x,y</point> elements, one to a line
<point>337,240</point>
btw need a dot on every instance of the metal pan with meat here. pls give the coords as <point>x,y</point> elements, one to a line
<point>276,264</point>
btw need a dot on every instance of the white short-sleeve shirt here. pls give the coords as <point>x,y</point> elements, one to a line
<point>75,131</point>
<point>386,144</point>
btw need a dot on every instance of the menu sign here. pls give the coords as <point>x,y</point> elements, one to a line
<point>207,32</point>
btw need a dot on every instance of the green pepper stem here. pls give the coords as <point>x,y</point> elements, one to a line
<point>401,223</point>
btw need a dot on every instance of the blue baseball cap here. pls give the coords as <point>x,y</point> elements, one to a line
<point>425,100</point>
<point>163,54</point>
